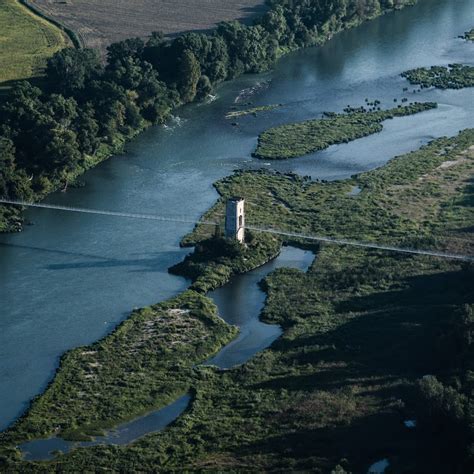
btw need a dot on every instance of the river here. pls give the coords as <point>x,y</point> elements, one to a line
<point>240,303</point>
<point>69,279</point>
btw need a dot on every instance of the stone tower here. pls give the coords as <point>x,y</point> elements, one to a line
<point>235,219</point>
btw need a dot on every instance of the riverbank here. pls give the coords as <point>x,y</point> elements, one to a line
<point>102,106</point>
<point>360,329</point>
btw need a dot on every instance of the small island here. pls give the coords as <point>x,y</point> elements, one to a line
<point>469,35</point>
<point>297,139</point>
<point>251,111</point>
<point>454,76</point>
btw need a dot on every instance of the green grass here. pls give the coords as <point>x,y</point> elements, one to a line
<point>411,201</point>
<point>290,141</point>
<point>456,76</point>
<point>26,42</point>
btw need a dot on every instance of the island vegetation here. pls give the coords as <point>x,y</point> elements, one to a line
<point>297,139</point>
<point>86,110</point>
<point>454,76</point>
<point>469,35</point>
<point>371,338</point>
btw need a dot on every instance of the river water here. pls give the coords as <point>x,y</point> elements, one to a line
<point>240,303</point>
<point>70,279</point>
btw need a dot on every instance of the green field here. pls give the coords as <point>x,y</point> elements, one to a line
<point>26,41</point>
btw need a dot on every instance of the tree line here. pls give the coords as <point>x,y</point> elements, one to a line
<point>86,109</point>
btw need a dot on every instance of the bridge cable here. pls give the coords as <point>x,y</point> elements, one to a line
<point>331,240</point>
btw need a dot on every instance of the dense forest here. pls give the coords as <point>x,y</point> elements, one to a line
<point>86,110</point>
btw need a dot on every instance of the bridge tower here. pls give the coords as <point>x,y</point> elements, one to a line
<point>235,219</point>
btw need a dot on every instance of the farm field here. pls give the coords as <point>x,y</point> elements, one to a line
<point>26,42</point>
<point>100,23</point>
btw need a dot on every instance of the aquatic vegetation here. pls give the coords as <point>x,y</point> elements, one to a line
<point>297,139</point>
<point>455,76</point>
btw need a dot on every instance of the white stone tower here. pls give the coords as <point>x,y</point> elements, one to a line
<point>235,219</point>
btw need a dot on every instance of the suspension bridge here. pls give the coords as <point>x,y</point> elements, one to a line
<point>283,233</point>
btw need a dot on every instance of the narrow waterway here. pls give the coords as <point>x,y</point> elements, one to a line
<point>70,279</point>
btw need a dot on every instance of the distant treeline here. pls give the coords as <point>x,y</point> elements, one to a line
<point>86,110</point>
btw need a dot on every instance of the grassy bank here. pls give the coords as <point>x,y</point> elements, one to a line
<point>361,330</point>
<point>455,76</point>
<point>27,42</point>
<point>290,141</point>
<point>411,201</point>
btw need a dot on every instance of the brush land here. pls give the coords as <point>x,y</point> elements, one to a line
<point>297,139</point>
<point>455,76</point>
<point>27,42</point>
<point>98,24</point>
<point>370,338</point>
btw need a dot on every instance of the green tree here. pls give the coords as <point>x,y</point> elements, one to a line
<point>189,74</point>
<point>70,69</point>
<point>204,87</point>
<point>14,182</point>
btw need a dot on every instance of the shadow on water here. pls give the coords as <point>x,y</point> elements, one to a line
<point>147,264</point>
<point>240,303</point>
<point>56,251</point>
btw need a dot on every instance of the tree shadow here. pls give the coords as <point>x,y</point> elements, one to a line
<point>390,335</point>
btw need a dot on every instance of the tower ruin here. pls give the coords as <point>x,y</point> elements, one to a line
<point>235,219</point>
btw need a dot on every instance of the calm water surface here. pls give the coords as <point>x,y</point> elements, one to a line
<point>239,302</point>
<point>70,279</point>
